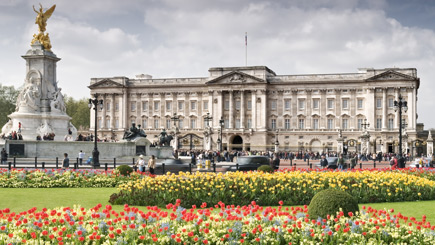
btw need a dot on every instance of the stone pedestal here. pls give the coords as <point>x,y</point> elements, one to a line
<point>365,143</point>
<point>40,107</point>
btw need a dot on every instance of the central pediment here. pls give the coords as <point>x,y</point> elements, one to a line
<point>236,77</point>
<point>106,83</point>
<point>391,75</point>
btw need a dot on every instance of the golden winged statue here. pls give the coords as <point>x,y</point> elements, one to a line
<point>42,17</point>
<point>41,21</point>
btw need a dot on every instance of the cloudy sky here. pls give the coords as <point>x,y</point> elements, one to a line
<point>183,38</point>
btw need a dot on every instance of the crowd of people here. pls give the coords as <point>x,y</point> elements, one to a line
<point>12,136</point>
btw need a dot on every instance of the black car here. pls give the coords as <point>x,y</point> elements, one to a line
<point>247,163</point>
<point>173,166</point>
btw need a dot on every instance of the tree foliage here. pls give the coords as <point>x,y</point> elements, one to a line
<point>8,99</point>
<point>79,111</point>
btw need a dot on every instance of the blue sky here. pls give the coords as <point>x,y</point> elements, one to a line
<point>183,38</point>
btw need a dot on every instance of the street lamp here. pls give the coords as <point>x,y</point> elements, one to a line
<point>221,124</point>
<point>208,118</point>
<point>399,105</point>
<point>97,104</point>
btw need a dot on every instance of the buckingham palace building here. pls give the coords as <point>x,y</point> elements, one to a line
<point>253,108</point>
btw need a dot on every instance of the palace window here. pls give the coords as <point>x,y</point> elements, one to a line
<point>249,123</point>
<point>116,122</point>
<point>345,103</point>
<point>193,105</point>
<point>273,123</point>
<point>133,106</point>
<point>249,104</point>
<point>344,123</point>
<point>168,105</point>
<point>287,105</point>
<point>180,123</point>
<point>180,105</point>
<point>287,123</point>
<point>227,105</point>
<point>108,123</point>
<point>378,123</point>
<point>192,123</point>
<point>156,123</point>
<point>273,104</point>
<point>226,123</point>
<point>100,124</point>
<point>378,103</point>
<point>144,105</point>
<point>168,123</point>
<point>315,103</point>
<point>330,104</point>
<point>237,123</point>
<point>108,106</point>
<point>315,123</point>
<point>390,102</point>
<point>237,104</point>
<point>330,123</point>
<point>360,103</point>
<point>144,123</point>
<point>301,123</point>
<point>390,123</point>
<point>301,104</point>
<point>360,122</point>
<point>205,105</point>
<point>117,106</point>
<point>156,105</point>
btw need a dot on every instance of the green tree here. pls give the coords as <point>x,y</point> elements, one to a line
<point>79,111</point>
<point>8,98</point>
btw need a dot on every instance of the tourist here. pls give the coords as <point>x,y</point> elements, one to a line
<point>19,127</point>
<point>340,162</point>
<point>141,163</point>
<point>394,163</point>
<point>4,156</point>
<point>152,164</point>
<point>81,156</point>
<point>65,163</point>
<point>323,162</point>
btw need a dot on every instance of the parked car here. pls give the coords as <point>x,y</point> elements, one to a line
<point>416,162</point>
<point>247,163</point>
<point>332,162</point>
<point>172,165</point>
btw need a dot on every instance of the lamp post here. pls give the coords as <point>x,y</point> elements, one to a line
<point>400,105</point>
<point>221,124</point>
<point>208,118</point>
<point>97,104</point>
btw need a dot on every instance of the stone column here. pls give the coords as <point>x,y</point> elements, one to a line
<point>112,111</point>
<point>263,111</point>
<point>353,103</point>
<point>254,109</point>
<point>396,92</point>
<point>412,108</point>
<point>308,110</point>
<point>104,111</point>
<point>384,109</point>
<point>323,104</point>
<point>138,108</point>
<point>242,109</point>
<point>231,119</point>
<point>370,108</point>
<point>125,109</point>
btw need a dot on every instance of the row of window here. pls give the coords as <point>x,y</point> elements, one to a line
<point>330,123</point>
<point>273,104</point>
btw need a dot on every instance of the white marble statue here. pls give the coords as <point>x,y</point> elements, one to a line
<point>58,104</point>
<point>7,128</point>
<point>30,96</point>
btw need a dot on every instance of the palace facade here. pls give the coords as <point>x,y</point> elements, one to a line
<point>259,109</point>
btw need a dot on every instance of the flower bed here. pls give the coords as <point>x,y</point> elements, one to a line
<point>292,187</point>
<point>48,178</point>
<point>220,224</point>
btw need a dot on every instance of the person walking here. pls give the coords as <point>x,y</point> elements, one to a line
<point>141,163</point>
<point>4,156</point>
<point>152,164</point>
<point>81,156</point>
<point>323,162</point>
<point>65,162</point>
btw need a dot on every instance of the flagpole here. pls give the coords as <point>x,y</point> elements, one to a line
<point>246,48</point>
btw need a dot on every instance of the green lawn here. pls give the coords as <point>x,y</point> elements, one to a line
<point>23,199</point>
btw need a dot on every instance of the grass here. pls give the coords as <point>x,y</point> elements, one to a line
<point>19,200</point>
